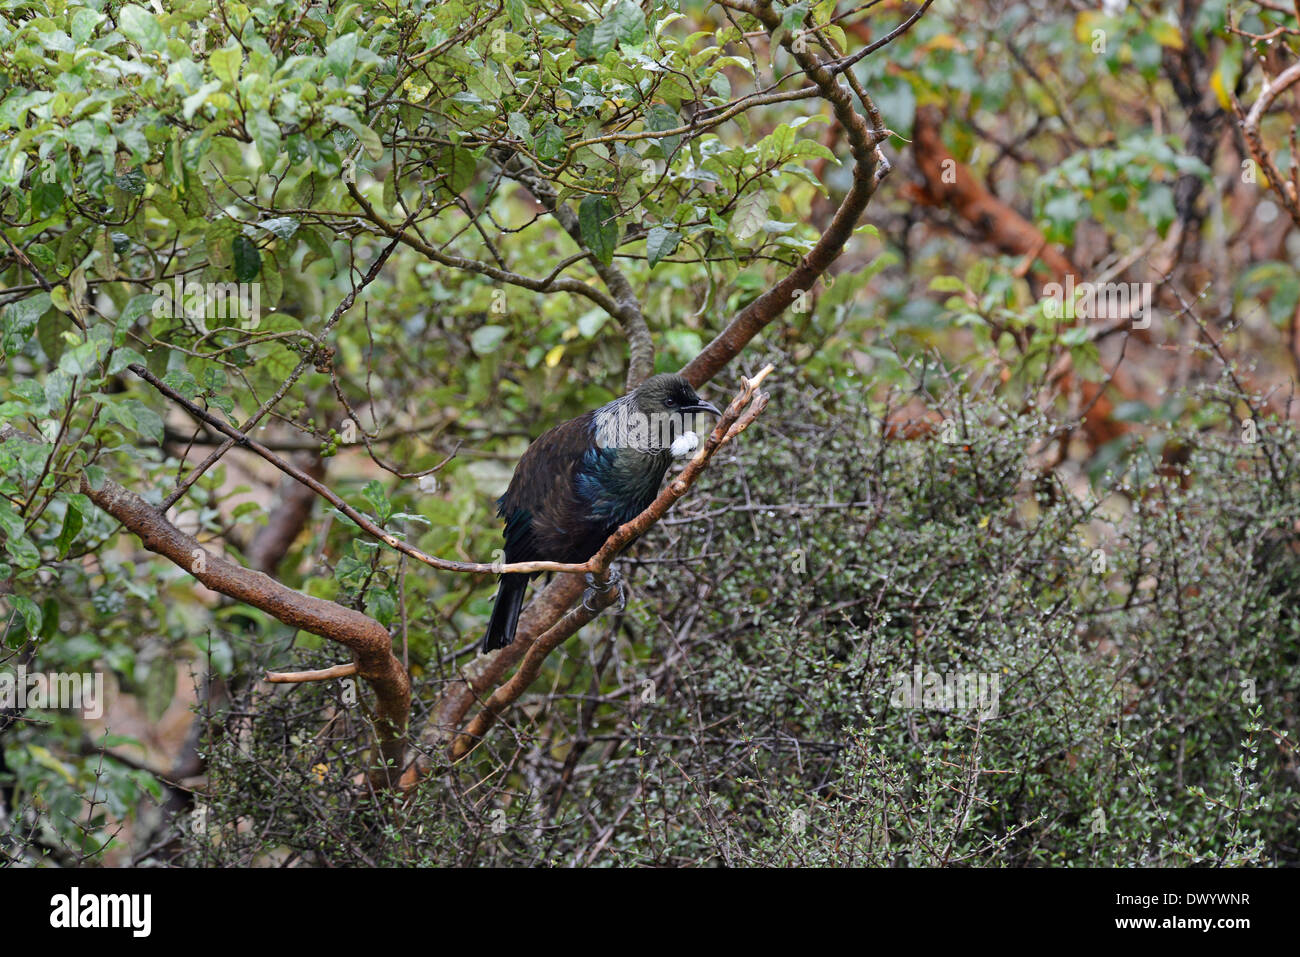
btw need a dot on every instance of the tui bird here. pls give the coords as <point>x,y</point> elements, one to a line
<point>584,478</point>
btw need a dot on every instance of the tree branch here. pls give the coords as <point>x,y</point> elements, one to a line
<point>627,308</point>
<point>1287,191</point>
<point>551,283</point>
<point>863,144</point>
<point>300,677</point>
<point>366,638</point>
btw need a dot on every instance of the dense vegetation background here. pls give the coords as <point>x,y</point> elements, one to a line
<point>463,223</point>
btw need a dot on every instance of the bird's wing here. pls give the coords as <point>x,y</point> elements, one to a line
<point>540,505</point>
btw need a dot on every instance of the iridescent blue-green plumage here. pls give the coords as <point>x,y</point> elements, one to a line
<point>583,479</point>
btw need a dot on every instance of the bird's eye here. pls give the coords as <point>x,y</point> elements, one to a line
<point>670,402</point>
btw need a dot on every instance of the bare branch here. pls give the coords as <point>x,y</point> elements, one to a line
<point>1286,190</point>
<point>324,674</point>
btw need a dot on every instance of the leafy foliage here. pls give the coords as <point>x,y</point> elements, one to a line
<point>159,169</point>
<point>1135,697</point>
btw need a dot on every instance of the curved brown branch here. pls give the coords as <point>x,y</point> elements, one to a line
<point>534,656</point>
<point>366,638</point>
<point>1287,191</point>
<point>547,607</point>
<point>301,677</point>
<point>951,184</point>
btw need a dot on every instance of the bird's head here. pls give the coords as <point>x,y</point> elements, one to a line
<point>652,417</point>
<point>669,394</point>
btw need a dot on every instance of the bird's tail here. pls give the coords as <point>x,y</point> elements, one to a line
<point>505,611</point>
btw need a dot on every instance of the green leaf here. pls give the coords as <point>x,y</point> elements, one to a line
<point>589,322</point>
<point>368,138</point>
<point>518,12</point>
<point>18,321</point>
<point>47,199</point>
<point>750,215</point>
<point>138,24</point>
<point>629,22</point>
<point>550,143</point>
<point>46,759</point>
<point>815,149</point>
<point>159,687</point>
<point>378,499</point>
<point>381,606</point>
<point>351,572</point>
<point>83,25</point>
<point>248,261</point>
<point>947,284</point>
<point>72,522</point>
<point>50,614</point>
<point>135,309</point>
<point>135,416</point>
<point>266,134</point>
<point>341,54</point>
<point>132,181</point>
<point>195,100</point>
<point>283,226</point>
<point>458,165</point>
<point>81,359</point>
<point>598,226</point>
<point>30,611</point>
<point>518,124</point>
<point>661,117</point>
<point>225,63</point>
<point>485,339</point>
<point>604,36</point>
<point>660,243</point>
<point>25,554</point>
<point>318,247</point>
<point>793,16</point>
<point>408,517</point>
<point>96,475</point>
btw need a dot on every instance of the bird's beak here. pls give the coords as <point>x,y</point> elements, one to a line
<point>702,406</point>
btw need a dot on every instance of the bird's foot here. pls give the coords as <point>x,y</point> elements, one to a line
<point>613,579</point>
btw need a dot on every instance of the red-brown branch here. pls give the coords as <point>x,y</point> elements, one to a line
<point>366,638</point>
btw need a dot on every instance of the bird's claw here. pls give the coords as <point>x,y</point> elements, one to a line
<point>616,581</point>
<point>613,579</point>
